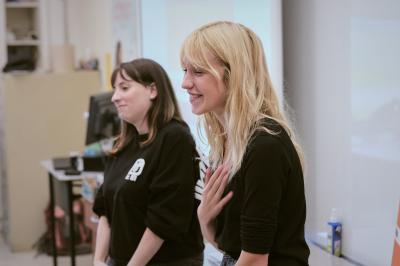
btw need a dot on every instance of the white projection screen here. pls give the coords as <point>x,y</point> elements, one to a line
<point>375,131</point>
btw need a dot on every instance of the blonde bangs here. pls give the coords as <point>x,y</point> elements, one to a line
<point>196,51</point>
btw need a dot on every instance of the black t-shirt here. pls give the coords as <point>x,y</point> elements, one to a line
<point>153,187</point>
<point>267,211</point>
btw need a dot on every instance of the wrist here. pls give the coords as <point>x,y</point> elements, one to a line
<point>208,231</point>
<point>206,221</point>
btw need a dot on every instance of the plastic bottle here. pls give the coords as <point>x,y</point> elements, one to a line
<point>334,244</point>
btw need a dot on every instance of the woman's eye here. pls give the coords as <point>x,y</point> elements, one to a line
<point>198,72</point>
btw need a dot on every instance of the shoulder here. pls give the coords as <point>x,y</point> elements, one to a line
<point>175,131</point>
<point>268,134</point>
<point>175,128</point>
<point>267,155</point>
<point>274,143</point>
<point>264,143</point>
<point>271,125</point>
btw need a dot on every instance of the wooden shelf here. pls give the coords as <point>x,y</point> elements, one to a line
<point>22,4</point>
<point>23,43</point>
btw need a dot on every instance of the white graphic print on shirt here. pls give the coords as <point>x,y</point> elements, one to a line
<point>136,170</point>
<point>198,192</point>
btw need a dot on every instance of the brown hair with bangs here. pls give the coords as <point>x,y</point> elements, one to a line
<point>164,107</point>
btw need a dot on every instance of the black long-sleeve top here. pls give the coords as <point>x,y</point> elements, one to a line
<point>267,211</point>
<point>153,187</point>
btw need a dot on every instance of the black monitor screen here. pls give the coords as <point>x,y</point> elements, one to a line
<point>103,121</point>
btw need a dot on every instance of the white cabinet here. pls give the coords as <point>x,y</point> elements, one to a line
<point>23,34</point>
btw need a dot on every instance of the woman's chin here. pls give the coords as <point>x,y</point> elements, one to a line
<point>197,111</point>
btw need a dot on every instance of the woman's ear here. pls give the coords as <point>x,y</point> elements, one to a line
<point>153,91</point>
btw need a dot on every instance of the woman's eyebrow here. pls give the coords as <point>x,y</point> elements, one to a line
<point>121,83</point>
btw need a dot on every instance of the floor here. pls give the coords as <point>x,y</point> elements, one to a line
<point>318,258</point>
<point>7,258</point>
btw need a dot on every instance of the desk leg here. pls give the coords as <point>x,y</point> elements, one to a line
<point>71,223</point>
<point>52,221</point>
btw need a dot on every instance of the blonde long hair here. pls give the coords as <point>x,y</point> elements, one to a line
<point>251,95</point>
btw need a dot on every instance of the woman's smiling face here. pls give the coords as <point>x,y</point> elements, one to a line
<point>207,92</point>
<point>132,100</point>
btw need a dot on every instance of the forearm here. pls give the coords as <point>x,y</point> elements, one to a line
<point>247,258</point>
<point>148,246</point>
<point>102,240</point>
<point>208,231</point>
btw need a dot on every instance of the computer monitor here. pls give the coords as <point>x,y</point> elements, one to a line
<point>103,120</point>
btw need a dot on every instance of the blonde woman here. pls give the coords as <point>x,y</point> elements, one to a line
<point>253,207</point>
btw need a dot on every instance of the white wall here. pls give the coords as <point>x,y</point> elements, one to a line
<point>126,20</point>
<point>340,63</point>
<point>87,25</point>
<point>90,30</point>
<point>55,23</point>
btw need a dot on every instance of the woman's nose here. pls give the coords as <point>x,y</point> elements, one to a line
<point>187,82</point>
<point>115,97</point>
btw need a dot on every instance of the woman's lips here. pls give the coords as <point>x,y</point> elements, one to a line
<point>195,97</point>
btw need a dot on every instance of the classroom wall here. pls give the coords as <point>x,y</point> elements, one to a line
<point>90,30</point>
<point>87,25</point>
<point>55,22</point>
<point>341,60</point>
